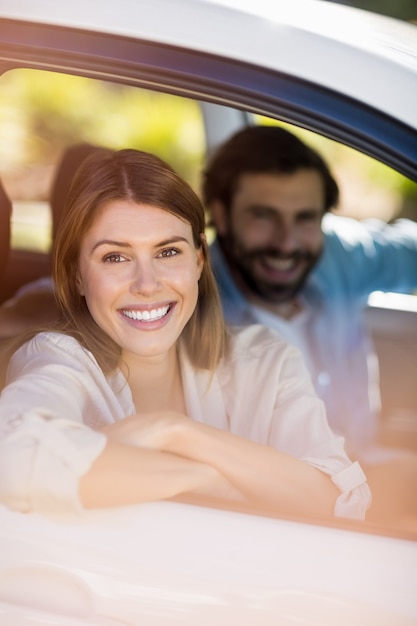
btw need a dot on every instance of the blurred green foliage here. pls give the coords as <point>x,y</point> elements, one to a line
<point>400,191</point>
<point>400,9</point>
<point>41,113</point>
<point>381,175</point>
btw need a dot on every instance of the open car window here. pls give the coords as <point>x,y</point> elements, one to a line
<point>56,111</point>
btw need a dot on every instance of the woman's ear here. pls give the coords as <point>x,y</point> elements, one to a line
<point>80,285</point>
<point>202,252</point>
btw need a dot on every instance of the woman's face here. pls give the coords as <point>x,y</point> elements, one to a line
<point>139,272</point>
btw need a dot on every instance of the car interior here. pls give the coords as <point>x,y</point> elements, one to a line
<point>44,113</point>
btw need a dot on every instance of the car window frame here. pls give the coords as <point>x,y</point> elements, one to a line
<point>224,81</point>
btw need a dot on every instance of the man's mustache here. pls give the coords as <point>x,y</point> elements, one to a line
<point>297,255</point>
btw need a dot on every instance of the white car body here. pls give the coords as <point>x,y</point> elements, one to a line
<point>165,563</point>
<point>325,45</point>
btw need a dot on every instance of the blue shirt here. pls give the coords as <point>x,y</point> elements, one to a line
<point>358,258</point>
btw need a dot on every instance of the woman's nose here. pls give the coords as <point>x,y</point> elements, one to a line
<point>145,280</point>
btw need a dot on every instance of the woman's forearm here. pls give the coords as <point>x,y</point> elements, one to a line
<point>123,475</point>
<point>267,477</point>
<point>264,476</point>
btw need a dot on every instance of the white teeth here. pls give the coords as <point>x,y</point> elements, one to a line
<point>147,316</point>
<point>281,265</point>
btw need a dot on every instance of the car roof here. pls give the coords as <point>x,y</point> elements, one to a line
<point>365,56</point>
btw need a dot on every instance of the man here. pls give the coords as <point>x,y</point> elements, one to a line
<point>281,259</point>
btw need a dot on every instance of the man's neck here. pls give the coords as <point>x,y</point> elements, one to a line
<point>286,310</point>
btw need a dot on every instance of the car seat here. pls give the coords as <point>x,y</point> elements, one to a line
<point>5,219</point>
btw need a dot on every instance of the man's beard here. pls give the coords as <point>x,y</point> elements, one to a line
<point>242,262</point>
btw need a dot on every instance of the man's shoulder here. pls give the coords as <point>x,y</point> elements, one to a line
<point>347,242</point>
<point>346,230</point>
<point>345,245</point>
<point>350,232</point>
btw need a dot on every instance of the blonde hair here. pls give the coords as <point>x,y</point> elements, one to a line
<point>144,179</point>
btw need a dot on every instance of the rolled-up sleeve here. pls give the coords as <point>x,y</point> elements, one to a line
<point>300,420</point>
<point>355,496</point>
<point>45,444</point>
<point>42,460</point>
<point>316,444</point>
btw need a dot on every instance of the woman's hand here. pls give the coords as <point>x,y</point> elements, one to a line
<point>159,432</point>
<point>155,431</point>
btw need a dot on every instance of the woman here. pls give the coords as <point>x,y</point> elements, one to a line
<point>142,394</point>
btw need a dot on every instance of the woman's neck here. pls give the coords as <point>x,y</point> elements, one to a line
<point>156,384</point>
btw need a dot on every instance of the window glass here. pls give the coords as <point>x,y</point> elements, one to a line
<point>41,113</point>
<point>368,189</point>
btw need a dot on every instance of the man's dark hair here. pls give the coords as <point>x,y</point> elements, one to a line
<point>262,149</point>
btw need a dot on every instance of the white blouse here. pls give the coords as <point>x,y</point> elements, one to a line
<point>57,397</point>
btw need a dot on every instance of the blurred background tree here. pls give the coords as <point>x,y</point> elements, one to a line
<point>401,9</point>
<point>405,189</point>
<point>369,189</point>
<point>41,113</point>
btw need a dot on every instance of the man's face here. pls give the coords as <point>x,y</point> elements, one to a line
<point>272,235</point>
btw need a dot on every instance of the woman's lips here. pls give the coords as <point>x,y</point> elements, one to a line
<point>150,318</point>
<point>146,315</point>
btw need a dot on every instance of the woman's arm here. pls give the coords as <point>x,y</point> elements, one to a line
<point>123,475</point>
<point>50,460</point>
<point>266,477</point>
<point>51,465</point>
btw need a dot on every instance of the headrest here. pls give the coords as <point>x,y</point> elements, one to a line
<point>5,218</point>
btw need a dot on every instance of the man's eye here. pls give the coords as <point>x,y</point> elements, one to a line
<point>309,218</point>
<point>262,214</point>
<point>113,258</point>
<point>169,252</point>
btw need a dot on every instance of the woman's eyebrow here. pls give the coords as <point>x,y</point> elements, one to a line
<point>124,244</point>
<point>175,239</point>
<point>110,242</point>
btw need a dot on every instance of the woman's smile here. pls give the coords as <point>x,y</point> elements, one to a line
<point>149,318</point>
<point>146,315</point>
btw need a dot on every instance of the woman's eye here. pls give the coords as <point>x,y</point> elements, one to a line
<point>169,252</point>
<point>113,258</point>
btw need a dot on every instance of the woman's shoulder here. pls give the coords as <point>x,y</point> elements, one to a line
<point>255,337</point>
<point>62,345</point>
<point>258,360</point>
<point>254,340</point>
<point>52,339</point>
<point>54,352</point>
